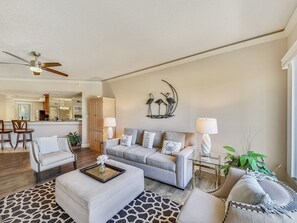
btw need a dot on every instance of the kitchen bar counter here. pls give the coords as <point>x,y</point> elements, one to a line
<point>49,128</point>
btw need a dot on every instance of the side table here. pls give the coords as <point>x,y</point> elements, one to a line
<point>214,161</point>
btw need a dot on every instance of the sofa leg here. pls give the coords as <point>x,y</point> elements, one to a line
<point>75,165</point>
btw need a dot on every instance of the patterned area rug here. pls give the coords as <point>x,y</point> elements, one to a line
<point>38,205</point>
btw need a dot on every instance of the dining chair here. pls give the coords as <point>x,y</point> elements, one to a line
<point>20,127</point>
<point>3,132</point>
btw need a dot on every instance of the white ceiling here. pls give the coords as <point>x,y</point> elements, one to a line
<point>99,39</point>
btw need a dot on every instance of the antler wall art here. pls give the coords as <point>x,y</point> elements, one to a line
<point>170,102</point>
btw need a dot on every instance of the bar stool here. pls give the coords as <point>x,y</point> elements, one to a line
<point>3,132</point>
<point>20,127</point>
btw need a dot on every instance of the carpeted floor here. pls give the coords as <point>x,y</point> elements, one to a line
<point>38,205</point>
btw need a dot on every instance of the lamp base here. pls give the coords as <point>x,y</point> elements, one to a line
<point>205,145</point>
<point>109,133</point>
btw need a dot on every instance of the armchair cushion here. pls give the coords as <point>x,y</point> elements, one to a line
<point>51,158</point>
<point>48,145</point>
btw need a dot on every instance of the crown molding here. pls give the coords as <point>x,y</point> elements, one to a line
<point>216,51</point>
<point>50,80</point>
<point>289,56</point>
<point>291,24</point>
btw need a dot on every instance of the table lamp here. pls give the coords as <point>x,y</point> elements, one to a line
<point>206,126</point>
<point>109,122</point>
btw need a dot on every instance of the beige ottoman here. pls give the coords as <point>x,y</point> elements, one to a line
<point>88,200</point>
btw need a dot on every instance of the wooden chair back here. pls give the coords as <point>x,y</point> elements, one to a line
<point>1,126</point>
<point>19,125</point>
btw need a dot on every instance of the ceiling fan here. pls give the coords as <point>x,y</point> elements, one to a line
<point>36,66</point>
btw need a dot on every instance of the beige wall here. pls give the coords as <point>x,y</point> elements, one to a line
<point>88,89</point>
<point>244,89</point>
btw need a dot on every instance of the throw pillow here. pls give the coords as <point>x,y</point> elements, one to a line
<point>148,139</point>
<point>171,147</point>
<point>247,190</point>
<point>126,140</point>
<point>47,144</point>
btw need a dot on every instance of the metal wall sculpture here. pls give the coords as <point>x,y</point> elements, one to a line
<point>170,102</point>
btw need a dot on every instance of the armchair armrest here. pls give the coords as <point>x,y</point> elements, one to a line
<point>233,176</point>
<point>184,166</point>
<point>109,143</point>
<point>34,156</point>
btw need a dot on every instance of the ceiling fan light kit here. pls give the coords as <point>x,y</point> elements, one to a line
<point>36,66</point>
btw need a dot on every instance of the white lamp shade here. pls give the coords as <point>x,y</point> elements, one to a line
<point>207,126</point>
<point>109,122</point>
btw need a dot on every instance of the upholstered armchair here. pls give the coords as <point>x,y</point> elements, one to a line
<point>203,207</point>
<point>46,158</point>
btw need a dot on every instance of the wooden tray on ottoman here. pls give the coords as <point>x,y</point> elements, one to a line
<point>110,172</point>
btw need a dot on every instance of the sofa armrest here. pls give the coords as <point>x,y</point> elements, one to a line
<point>109,143</point>
<point>184,166</point>
<point>241,212</point>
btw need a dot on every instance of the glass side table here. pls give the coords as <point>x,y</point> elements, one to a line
<point>214,161</point>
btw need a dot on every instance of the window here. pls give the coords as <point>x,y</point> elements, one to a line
<point>24,111</point>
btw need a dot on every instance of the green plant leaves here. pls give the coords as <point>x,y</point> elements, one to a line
<point>230,149</point>
<point>73,138</point>
<point>250,160</point>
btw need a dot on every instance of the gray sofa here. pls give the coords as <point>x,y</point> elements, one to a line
<point>175,169</point>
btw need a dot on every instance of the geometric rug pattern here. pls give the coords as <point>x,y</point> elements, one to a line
<point>38,205</point>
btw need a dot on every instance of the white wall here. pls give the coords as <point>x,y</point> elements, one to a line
<point>244,89</point>
<point>88,89</point>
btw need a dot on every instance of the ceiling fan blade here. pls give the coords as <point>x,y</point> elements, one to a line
<point>16,56</point>
<point>15,63</point>
<point>51,64</point>
<point>55,71</point>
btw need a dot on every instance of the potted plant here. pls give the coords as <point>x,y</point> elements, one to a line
<point>251,160</point>
<point>74,138</point>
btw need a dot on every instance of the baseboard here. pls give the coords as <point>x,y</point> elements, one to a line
<point>87,145</point>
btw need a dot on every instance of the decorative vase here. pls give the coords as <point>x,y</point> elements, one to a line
<point>101,168</point>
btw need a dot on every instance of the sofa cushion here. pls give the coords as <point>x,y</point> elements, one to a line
<point>139,136</point>
<point>162,161</point>
<point>117,150</point>
<point>138,154</point>
<point>202,207</point>
<point>132,132</point>
<point>175,137</point>
<point>158,141</point>
<point>148,139</point>
<point>51,158</point>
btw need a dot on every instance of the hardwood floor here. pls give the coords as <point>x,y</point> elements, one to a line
<point>16,175</point>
